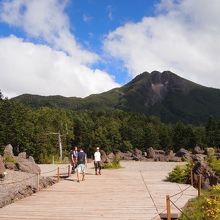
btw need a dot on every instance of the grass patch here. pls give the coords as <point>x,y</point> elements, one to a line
<point>206,207</point>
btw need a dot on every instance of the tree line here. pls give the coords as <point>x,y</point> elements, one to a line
<point>33,130</point>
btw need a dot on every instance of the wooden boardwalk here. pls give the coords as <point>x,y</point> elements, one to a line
<point>136,191</point>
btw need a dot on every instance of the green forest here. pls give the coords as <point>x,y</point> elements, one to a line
<point>31,130</point>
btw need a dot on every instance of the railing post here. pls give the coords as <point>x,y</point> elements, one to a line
<point>38,182</point>
<point>168,207</point>
<point>191,175</point>
<point>68,170</point>
<point>58,174</point>
<point>199,184</point>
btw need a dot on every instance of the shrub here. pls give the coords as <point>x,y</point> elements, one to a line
<point>179,174</point>
<point>115,164</point>
<point>214,164</point>
<point>205,207</point>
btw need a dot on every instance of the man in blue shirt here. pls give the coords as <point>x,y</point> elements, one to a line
<point>81,164</point>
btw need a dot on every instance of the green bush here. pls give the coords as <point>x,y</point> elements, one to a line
<point>115,164</point>
<point>214,164</point>
<point>179,174</point>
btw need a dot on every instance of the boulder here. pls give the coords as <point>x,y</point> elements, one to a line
<point>2,168</point>
<point>198,157</point>
<point>170,157</point>
<point>137,155</point>
<point>45,182</point>
<point>128,156</point>
<point>150,153</point>
<point>27,166</point>
<point>105,158</point>
<point>111,157</point>
<point>138,152</point>
<point>8,151</point>
<point>11,166</point>
<point>22,155</point>
<point>125,156</point>
<point>208,176</point>
<point>209,151</point>
<point>160,157</point>
<point>182,152</point>
<point>200,168</point>
<point>31,159</point>
<point>162,152</point>
<point>170,153</point>
<point>198,150</point>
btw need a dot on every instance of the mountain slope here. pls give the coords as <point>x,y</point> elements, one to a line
<point>165,94</point>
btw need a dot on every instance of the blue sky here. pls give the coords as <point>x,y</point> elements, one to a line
<point>80,47</point>
<point>93,19</point>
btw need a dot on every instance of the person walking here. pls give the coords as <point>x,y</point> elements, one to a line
<point>81,164</point>
<point>74,155</point>
<point>97,161</point>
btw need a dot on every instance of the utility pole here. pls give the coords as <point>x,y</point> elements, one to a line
<point>60,146</point>
<point>59,143</point>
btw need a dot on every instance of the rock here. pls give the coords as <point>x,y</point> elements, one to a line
<point>150,153</point>
<point>199,157</point>
<point>27,166</point>
<point>162,152</point>
<point>45,182</point>
<point>198,150</point>
<point>170,155</point>
<point>209,151</point>
<point>11,166</point>
<point>137,152</point>
<point>200,168</point>
<point>8,151</point>
<point>18,190</point>
<point>182,152</point>
<point>111,157</point>
<point>2,168</point>
<point>137,155</point>
<point>126,156</point>
<point>160,157</point>
<point>31,159</point>
<point>22,155</point>
<point>208,176</point>
<point>105,158</point>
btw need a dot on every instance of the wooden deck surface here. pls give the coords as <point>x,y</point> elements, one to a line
<point>136,191</point>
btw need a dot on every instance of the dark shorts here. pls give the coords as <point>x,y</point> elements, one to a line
<point>97,165</point>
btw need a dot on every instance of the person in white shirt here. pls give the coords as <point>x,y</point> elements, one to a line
<point>97,161</point>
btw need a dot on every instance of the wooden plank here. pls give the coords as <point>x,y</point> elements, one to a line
<point>128,193</point>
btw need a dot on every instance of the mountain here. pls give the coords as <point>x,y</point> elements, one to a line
<point>165,94</point>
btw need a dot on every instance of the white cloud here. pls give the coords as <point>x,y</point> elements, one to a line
<point>60,67</point>
<point>184,38</point>
<point>46,20</point>
<point>38,69</point>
